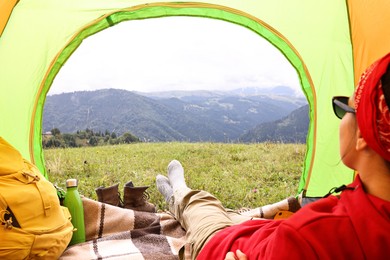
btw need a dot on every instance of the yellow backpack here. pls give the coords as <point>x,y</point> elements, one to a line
<point>33,223</point>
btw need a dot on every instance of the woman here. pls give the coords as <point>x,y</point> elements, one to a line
<point>354,225</point>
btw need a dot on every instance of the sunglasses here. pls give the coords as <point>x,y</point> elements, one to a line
<point>341,107</point>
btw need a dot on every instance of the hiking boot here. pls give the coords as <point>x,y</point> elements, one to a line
<point>135,198</point>
<point>109,195</point>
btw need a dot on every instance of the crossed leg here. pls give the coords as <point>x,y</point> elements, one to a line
<point>199,212</point>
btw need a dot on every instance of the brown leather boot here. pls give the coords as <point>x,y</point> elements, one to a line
<point>135,198</point>
<point>109,195</point>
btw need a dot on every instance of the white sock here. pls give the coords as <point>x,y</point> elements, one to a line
<point>164,187</point>
<point>176,175</point>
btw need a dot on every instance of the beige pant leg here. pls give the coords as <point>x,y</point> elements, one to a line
<point>201,215</point>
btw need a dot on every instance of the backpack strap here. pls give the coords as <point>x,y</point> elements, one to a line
<point>45,195</point>
<point>32,176</point>
<point>42,186</point>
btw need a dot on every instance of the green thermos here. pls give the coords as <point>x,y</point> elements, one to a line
<point>73,202</point>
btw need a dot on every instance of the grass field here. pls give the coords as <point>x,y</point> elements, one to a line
<point>240,175</point>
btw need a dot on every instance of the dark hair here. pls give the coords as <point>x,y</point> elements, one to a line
<point>386,85</point>
<point>385,79</point>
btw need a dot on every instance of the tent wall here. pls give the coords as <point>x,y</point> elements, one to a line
<point>314,35</point>
<point>370,32</point>
<point>6,8</point>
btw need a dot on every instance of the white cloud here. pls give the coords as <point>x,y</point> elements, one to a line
<point>174,53</point>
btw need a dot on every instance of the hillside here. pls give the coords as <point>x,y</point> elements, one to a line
<point>290,129</point>
<point>166,116</point>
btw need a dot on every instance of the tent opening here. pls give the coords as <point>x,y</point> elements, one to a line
<point>169,58</point>
<point>262,29</point>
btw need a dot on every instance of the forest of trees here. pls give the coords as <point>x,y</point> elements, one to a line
<point>56,139</point>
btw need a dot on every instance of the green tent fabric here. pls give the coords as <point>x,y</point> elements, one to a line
<point>315,36</point>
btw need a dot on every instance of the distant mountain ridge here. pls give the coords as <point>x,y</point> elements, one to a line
<point>290,129</point>
<point>246,91</point>
<point>167,116</point>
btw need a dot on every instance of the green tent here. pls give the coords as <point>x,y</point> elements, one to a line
<point>328,42</point>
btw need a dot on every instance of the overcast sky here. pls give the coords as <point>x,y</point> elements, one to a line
<point>175,53</point>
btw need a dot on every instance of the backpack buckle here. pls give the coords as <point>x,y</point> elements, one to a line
<point>6,219</point>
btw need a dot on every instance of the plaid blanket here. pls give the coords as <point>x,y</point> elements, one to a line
<point>117,233</point>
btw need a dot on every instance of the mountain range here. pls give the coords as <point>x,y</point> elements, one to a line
<point>193,116</point>
<point>290,129</point>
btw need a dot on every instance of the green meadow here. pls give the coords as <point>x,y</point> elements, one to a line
<point>240,175</point>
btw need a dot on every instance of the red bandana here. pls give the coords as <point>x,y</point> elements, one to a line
<point>372,112</point>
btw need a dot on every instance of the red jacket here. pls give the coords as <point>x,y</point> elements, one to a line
<point>354,226</point>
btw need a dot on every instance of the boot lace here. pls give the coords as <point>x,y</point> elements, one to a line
<point>146,195</point>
